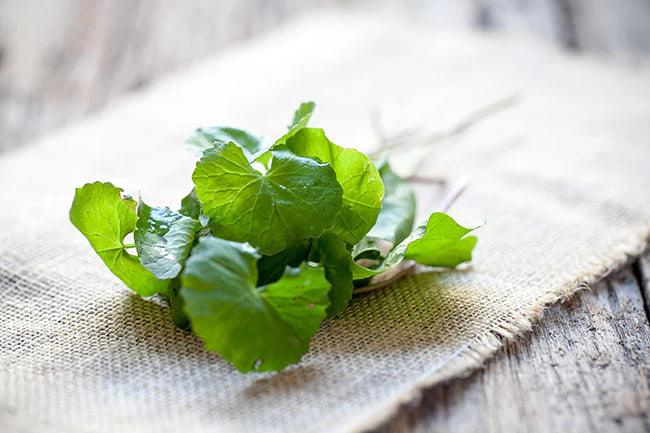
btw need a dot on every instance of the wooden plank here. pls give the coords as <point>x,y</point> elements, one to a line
<point>60,60</point>
<point>642,273</point>
<point>602,26</point>
<point>585,367</point>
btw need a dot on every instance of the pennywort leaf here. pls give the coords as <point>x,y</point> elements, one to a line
<point>441,243</point>
<point>105,218</point>
<point>255,328</point>
<point>206,138</point>
<point>164,239</point>
<point>362,186</point>
<point>296,199</point>
<point>302,115</point>
<point>395,220</point>
<point>300,120</point>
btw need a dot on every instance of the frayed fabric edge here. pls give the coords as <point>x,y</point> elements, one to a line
<point>474,355</point>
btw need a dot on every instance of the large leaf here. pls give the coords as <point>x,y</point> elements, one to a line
<point>105,218</point>
<point>395,220</point>
<point>205,138</point>
<point>255,328</point>
<point>441,242</point>
<point>362,186</point>
<point>164,239</point>
<point>296,199</point>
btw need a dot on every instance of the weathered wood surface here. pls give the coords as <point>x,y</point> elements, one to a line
<point>584,368</point>
<point>618,27</point>
<point>61,59</point>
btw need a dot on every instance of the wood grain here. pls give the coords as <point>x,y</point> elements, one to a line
<point>642,273</point>
<point>62,59</point>
<point>603,26</point>
<point>584,367</point>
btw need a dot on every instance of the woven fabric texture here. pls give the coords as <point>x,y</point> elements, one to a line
<point>562,179</point>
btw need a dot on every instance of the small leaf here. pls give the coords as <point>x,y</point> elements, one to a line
<point>395,220</point>
<point>362,186</point>
<point>296,199</point>
<point>300,120</point>
<point>441,242</point>
<point>164,239</point>
<point>255,328</point>
<point>206,138</point>
<point>104,217</point>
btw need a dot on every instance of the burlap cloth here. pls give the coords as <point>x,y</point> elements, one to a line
<point>562,180</point>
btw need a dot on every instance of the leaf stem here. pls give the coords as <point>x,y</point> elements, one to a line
<point>127,246</point>
<point>408,138</point>
<point>431,180</point>
<point>453,194</point>
<point>403,270</point>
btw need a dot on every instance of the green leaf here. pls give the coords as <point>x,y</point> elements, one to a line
<point>303,114</point>
<point>441,242</point>
<point>362,186</point>
<point>191,206</point>
<point>300,120</point>
<point>205,138</point>
<point>255,328</point>
<point>104,217</point>
<point>164,239</point>
<point>296,199</point>
<point>270,268</point>
<point>336,260</point>
<point>395,220</point>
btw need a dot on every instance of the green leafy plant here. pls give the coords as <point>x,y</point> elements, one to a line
<point>272,239</point>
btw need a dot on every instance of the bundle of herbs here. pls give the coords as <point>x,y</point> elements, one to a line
<point>272,239</point>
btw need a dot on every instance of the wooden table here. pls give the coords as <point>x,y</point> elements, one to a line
<point>585,367</point>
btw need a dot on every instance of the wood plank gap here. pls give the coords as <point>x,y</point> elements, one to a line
<point>641,270</point>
